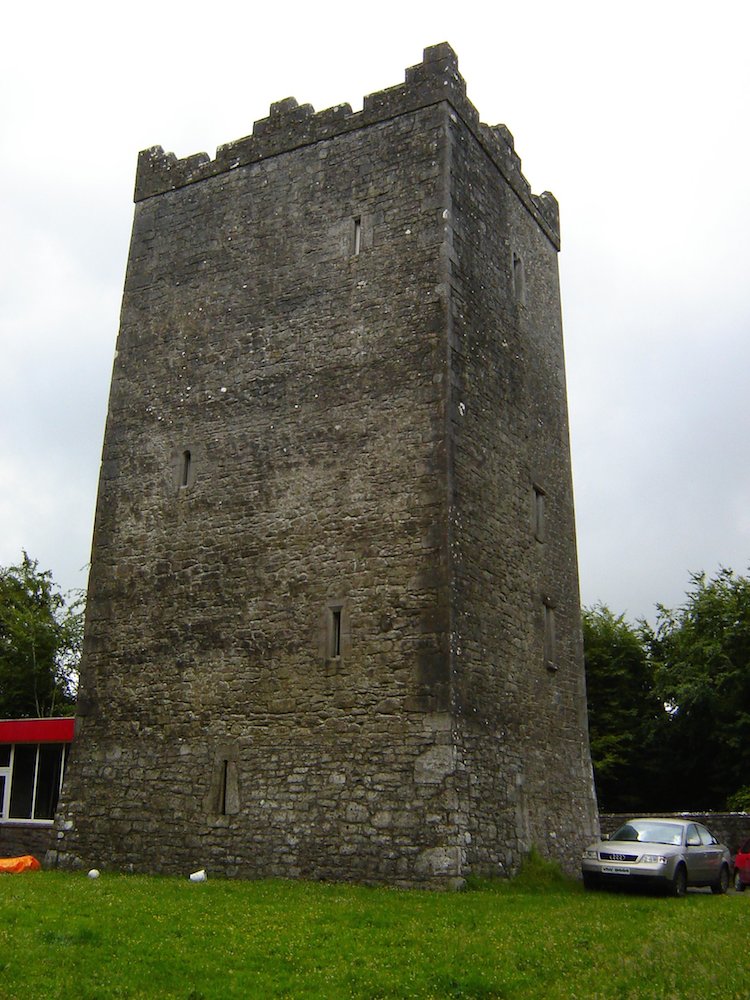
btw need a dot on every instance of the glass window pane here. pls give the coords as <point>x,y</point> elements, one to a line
<point>706,838</point>
<point>4,754</point>
<point>2,796</point>
<point>48,780</point>
<point>22,783</point>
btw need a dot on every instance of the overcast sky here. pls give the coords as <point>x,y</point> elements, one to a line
<point>635,116</point>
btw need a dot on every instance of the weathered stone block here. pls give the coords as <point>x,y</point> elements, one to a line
<point>435,764</point>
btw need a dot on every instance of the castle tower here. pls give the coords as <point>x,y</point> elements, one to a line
<point>333,622</point>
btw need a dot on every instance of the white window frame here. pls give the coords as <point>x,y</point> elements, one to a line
<point>7,773</point>
<point>5,796</point>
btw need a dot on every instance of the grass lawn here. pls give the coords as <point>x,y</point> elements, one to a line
<point>130,936</point>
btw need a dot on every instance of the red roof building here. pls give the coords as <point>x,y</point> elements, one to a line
<point>33,753</point>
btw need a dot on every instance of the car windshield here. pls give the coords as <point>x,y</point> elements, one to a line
<point>653,833</point>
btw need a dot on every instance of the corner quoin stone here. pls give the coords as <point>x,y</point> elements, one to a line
<point>333,619</point>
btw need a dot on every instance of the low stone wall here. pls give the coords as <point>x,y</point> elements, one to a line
<point>17,839</point>
<point>729,828</point>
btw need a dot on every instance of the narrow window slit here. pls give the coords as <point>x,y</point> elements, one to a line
<point>223,788</point>
<point>357,235</point>
<point>185,468</point>
<point>223,797</point>
<point>335,632</point>
<point>550,639</point>
<point>519,278</point>
<point>538,513</point>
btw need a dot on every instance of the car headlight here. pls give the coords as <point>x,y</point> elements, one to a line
<point>590,855</point>
<point>654,859</point>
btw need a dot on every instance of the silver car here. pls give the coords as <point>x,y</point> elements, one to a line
<point>667,853</point>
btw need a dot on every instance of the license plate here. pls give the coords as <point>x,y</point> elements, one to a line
<point>615,870</point>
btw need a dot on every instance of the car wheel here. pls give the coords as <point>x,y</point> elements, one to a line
<point>721,885</point>
<point>678,886</point>
<point>739,885</point>
<point>590,880</point>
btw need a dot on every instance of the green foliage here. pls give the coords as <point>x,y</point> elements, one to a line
<point>740,800</point>
<point>701,657</point>
<point>669,706</point>
<point>137,937</point>
<point>40,642</point>
<point>536,874</point>
<point>624,712</point>
<point>539,874</point>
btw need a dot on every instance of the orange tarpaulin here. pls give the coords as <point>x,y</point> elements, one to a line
<point>27,863</point>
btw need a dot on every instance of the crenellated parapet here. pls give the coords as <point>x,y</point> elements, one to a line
<point>290,125</point>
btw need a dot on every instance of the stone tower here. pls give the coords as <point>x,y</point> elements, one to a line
<point>333,621</point>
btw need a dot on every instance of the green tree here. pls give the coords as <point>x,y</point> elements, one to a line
<point>40,643</point>
<point>625,714</point>
<point>701,657</point>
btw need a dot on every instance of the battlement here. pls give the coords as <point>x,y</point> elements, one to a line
<point>290,125</point>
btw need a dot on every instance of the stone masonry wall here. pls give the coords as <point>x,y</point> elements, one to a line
<point>17,839</point>
<point>520,704</point>
<point>301,657</point>
<point>300,376</point>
